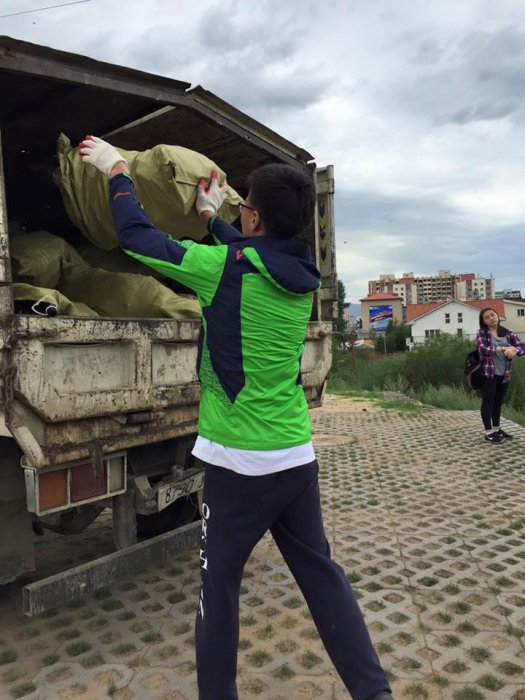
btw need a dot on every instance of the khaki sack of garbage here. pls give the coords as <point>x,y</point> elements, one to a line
<point>42,259</point>
<point>115,260</point>
<point>39,298</point>
<point>166,179</point>
<point>37,257</point>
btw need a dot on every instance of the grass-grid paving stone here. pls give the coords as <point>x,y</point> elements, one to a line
<point>397,481</point>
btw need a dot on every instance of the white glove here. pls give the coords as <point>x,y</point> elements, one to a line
<point>101,154</point>
<point>210,198</point>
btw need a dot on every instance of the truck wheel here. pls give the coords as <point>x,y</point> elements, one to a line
<point>16,534</point>
<point>185,510</point>
<point>182,512</point>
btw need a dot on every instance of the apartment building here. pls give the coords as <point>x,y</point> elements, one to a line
<point>509,294</point>
<point>434,288</point>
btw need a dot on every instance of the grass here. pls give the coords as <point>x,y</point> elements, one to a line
<point>259,658</point>
<point>22,689</point>
<point>78,648</point>
<point>309,659</point>
<point>450,640</point>
<point>93,661</point>
<point>353,577</point>
<point>510,669</point>
<point>419,375</point>
<point>293,602</point>
<point>266,632</point>
<point>111,604</point>
<point>417,691</point>
<point>467,627</point>
<point>7,657</point>
<point>176,597</point>
<point>283,672</point>
<point>152,638</point>
<point>248,620</point>
<point>50,659</point>
<point>429,581</point>
<point>384,648</point>
<point>456,666</point>
<point>122,649</point>
<point>461,608</point>
<point>490,682</point>
<point>479,654</point>
<point>469,694</point>
<point>181,628</point>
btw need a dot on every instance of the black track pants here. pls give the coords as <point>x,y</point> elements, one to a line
<point>237,511</point>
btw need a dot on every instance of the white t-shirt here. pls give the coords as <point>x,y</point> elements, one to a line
<point>253,462</point>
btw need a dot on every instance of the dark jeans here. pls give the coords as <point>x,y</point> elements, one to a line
<point>237,511</point>
<point>492,395</point>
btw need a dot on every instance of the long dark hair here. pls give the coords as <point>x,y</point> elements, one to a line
<point>501,329</point>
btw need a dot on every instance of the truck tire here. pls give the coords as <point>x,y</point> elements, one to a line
<point>16,533</point>
<point>182,512</point>
<point>185,510</point>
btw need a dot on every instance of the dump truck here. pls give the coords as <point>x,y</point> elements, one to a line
<point>101,413</point>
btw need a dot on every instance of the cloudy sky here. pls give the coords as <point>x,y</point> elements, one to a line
<point>420,107</point>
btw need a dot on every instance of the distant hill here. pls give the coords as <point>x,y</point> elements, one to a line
<point>354,309</point>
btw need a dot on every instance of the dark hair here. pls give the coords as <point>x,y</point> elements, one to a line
<point>501,329</point>
<point>285,198</point>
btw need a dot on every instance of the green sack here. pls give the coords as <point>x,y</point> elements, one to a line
<point>35,296</point>
<point>115,260</point>
<point>41,257</point>
<point>36,257</point>
<point>166,179</point>
<point>125,295</point>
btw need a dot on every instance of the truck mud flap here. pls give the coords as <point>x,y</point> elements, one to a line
<point>82,580</point>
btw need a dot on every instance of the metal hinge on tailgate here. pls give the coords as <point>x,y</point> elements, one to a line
<point>326,241</point>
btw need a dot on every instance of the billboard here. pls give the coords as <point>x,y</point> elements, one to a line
<point>380,317</point>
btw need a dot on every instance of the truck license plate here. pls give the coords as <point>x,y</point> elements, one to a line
<point>166,495</point>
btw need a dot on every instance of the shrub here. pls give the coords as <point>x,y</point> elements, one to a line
<point>431,373</point>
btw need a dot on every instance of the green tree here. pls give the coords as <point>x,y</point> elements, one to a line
<point>342,305</point>
<point>394,339</point>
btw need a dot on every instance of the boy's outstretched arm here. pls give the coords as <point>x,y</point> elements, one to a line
<point>196,266</point>
<point>209,200</point>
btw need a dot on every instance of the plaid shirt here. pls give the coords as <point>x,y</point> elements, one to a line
<point>486,352</point>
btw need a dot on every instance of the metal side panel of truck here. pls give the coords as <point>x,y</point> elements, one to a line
<point>102,412</point>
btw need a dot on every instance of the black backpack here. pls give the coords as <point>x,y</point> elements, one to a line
<point>472,371</point>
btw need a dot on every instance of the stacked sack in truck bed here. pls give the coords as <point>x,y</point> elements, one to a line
<point>47,267</point>
<point>102,280</point>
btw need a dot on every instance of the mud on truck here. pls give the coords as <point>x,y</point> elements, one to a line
<point>100,413</point>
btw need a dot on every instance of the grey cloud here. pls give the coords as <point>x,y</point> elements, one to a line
<point>237,33</point>
<point>485,47</point>
<point>482,111</point>
<point>480,76</point>
<point>429,236</point>
<point>295,91</point>
<point>270,29</point>
<point>160,49</point>
<point>428,52</point>
<point>252,70</point>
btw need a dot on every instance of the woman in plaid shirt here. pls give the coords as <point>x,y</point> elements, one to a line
<point>496,346</point>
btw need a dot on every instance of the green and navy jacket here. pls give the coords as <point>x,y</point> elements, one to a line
<point>256,296</point>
